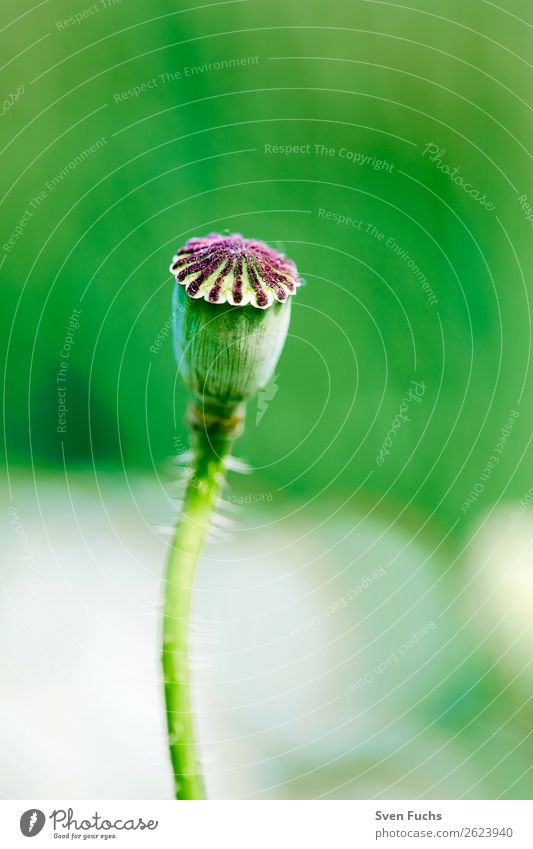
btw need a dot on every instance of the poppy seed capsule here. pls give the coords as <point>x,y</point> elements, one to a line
<point>234,270</point>
<point>231,316</point>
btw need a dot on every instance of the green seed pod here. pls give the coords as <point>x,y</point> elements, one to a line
<point>231,317</point>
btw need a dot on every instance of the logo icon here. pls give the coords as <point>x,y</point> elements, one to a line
<point>265,395</point>
<point>32,822</point>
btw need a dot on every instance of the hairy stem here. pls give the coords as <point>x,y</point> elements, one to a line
<point>213,434</point>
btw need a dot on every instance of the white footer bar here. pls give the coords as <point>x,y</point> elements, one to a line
<point>268,824</point>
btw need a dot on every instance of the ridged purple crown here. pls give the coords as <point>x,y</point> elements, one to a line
<point>234,270</point>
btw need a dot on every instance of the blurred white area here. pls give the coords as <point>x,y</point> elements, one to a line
<point>288,622</point>
<point>499,589</point>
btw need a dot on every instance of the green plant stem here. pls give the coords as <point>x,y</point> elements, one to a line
<point>211,443</point>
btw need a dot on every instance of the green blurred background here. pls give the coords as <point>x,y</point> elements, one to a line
<point>190,112</point>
